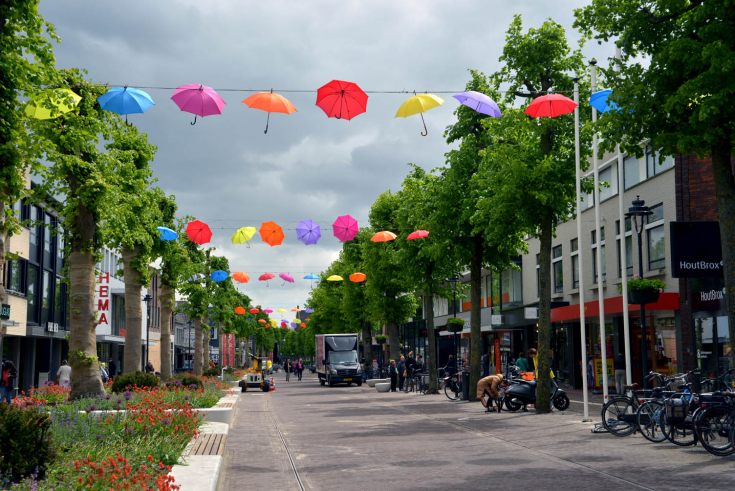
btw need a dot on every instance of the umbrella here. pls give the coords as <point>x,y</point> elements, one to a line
<point>239,310</point>
<point>309,310</point>
<point>358,277</point>
<point>167,233</point>
<point>243,234</point>
<point>262,321</point>
<point>273,322</point>
<point>550,106</point>
<point>52,103</point>
<point>308,232</point>
<point>600,100</point>
<point>254,311</point>
<point>269,102</point>
<point>240,277</point>
<point>266,277</point>
<point>284,325</point>
<point>418,234</point>
<point>271,233</point>
<point>477,101</point>
<point>294,325</point>
<point>341,99</point>
<point>125,100</point>
<point>198,232</point>
<point>311,276</point>
<point>303,324</point>
<point>335,277</point>
<point>383,236</point>
<point>419,104</point>
<point>219,275</point>
<point>345,228</point>
<point>198,99</point>
<point>268,311</point>
<point>286,277</point>
<point>281,310</point>
<point>295,309</point>
<point>195,278</point>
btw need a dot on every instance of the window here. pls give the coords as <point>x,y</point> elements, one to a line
<point>608,182</point>
<point>32,291</point>
<point>512,286</point>
<point>59,249</point>
<point>655,241</point>
<point>594,254</point>
<point>574,248</point>
<point>47,240</point>
<point>59,302</point>
<point>557,268</point>
<point>46,298</point>
<point>15,277</point>
<point>34,252</point>
<point>655,164</point>
<point>628,247</point>
<point>649,165</point>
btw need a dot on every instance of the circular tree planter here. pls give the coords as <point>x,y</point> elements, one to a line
<point>643,296</point>
<point>383,387</point>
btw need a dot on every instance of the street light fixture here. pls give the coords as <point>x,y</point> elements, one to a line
<point>147,299</point>
<point>639,209</point>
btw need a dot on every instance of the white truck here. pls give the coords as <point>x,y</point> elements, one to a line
<point>336,359</point>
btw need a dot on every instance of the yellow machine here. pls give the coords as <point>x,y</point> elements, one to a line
<point>256,375</point>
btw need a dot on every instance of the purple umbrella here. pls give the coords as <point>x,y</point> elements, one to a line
<point>478,102</point>
<point>308,232</point>
<point>198,99</point>
<point>294,325</point>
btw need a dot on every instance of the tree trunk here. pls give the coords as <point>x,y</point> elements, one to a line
<point>475,296</point>
<point>205,345</point>
<point>367,345</point>
<point>431,339</point>
<point>198,346</point>
<point>168,300</point>
<point>725,189</point>
<point>544,318</point>
<point>393,343</point>
<point>133,312</point>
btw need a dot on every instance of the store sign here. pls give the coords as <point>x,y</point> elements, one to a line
<point>103,299</point>
<point>496,319</point>
<point>696,250</point>
<point>52,326</point>
<point>530,312</point>
<point>5,311</point>
<point>707,294</point>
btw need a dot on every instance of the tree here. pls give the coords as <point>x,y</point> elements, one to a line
<point>26,64</point>
<point>675,80</point>
<point>354,298</point>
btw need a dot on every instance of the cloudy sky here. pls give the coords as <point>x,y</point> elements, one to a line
<point>224,170</point>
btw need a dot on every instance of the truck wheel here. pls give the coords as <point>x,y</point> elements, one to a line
<point>266,386</point>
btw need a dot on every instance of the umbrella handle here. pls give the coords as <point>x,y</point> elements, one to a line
<point>195,120</point>
<point>426,131</point>
<point>267,122</point>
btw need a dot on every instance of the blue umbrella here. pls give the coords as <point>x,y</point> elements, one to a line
<point>126,100</point>
<point>600,101</point>
<point>311,276</point>
<point>219,275</point>
<point>479,102</point>
<point>309,310</point>
<point>167,233</point>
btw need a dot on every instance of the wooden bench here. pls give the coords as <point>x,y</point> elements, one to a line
<point>209,444</point>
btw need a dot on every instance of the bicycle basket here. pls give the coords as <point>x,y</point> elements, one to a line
<point>529,376</point>
<point>676,409</point>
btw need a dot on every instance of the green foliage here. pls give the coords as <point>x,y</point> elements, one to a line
<point>455,322</point>
<point>381,339</point>
<point>187,380</point>
<point>25,445</point>
<point>638,284</point>
<point>123,382</point>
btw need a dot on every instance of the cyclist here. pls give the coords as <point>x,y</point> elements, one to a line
<point>451,367</point>
<point>490,385</point>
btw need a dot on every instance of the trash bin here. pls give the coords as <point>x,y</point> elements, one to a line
<point>465,385</point>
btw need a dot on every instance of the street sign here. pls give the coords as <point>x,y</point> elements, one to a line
<point>5,311</point>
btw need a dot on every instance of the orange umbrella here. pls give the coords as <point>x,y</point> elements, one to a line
<point>240,277</point>
<point>239,310</point>
<point>358,277</point>
<point>383,236</point>
<point>271,233</point>
<point>269,102</point>
<point>262,321</point>
<point>303,324</point>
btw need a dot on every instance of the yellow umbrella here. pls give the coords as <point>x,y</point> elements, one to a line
<point>419,104</point>
<point>243,234</point>
<point>52,104</point>
<point>335,277</point>
<point>281,310</point>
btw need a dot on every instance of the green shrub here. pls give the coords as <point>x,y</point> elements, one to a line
<point>189,380</point>
<point>211,372</point>
<point>140,379</point>
<point>25,443</point>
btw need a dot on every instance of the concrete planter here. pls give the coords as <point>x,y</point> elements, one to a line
<point>383,387</point>
<point>372,381</point>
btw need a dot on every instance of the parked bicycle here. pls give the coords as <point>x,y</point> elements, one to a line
<point>453,386</point>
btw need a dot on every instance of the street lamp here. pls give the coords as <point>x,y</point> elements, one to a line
<point>147,299</point>
<point>188,349</point>
<point>453,280</point>
<point>639,209</point>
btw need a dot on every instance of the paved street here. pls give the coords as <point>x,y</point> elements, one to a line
<point>304,436</point>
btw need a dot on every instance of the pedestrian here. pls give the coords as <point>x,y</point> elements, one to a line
<point>287,369</point>
<point>149,367</point>
<point>393,372</point>
<point>419,364</point>
<point>401,367</point>
<point>299,368</point>
<point>532,360</point>
<point>104,375</point>
<point>489,385</point>
<point>112,368</point>
<point>63,374</point>
<point>619,373</point>
<point>7,381</point>
<point>410,367</point>
<point>522,362</point>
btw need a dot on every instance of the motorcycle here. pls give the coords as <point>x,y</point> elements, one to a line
<point>521,392</point>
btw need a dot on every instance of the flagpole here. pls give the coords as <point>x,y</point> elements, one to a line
<point>582,327</point>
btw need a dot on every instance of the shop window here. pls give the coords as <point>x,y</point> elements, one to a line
<point>602,253</point>
<point>15,276</point>
<point>655,240</point>
<point>574,248</point>
<point>32,292</point>
<point>557,266</point>
<point>628,247</point>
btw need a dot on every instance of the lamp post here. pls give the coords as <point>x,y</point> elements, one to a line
<point>188,349</point>
<point>639,209</point>
<point>147,299</point>
<point>453,280</point>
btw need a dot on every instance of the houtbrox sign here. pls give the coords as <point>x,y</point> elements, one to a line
<point>695,249</point>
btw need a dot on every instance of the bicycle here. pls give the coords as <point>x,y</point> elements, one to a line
<point>419,382</point>
<point>453,386</point>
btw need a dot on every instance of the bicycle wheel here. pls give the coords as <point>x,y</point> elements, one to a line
<point>452,390</point>
<point>649,419</point>
<point>618,416</point>
<point>713,427</point>
<point>679,432</point>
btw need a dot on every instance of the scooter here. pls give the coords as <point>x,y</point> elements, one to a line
<point>521,392</point>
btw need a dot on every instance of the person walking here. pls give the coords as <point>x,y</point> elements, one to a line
<point>149,367</point>
<point>489,385</point>
<point>112,368</point>
<point>7,381</point>
<point>401,367</point>
<point>287,368</point>
<point>410,367</point>
<point>299,368</point>
<point>63,374</point>
<point>619,366</point>
<point>393,373</point>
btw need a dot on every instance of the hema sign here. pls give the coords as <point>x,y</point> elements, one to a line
<point>695,249</point>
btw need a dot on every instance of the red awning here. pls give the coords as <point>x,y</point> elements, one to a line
<point>613,305</point>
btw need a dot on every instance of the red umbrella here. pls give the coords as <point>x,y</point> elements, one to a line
<point>254,311</point>
<point>550,106</point>
<point>358,277</point>
<point>345,228</point>
<point>341,99</point>
<point>271,233</point>
<point>418,234</point>
<point>198,232</point>
<point>266,277</point>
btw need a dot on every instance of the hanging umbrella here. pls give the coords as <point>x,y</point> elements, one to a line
<point>358,277</point>
<point>308,232</point>
<point>125,100</point>
<point>383,236</point>
<point>335,277</point>
<point>167,234</point>
<point>240,277</point>
<point>419,104</point>
<point>198,99</point>
<point>196,277</point>
<point>284,325</point>
<point>303,325</point>
<point>479,102</point>
<point>550,106</point>
<point>286,277</point>
<point>281,310</point>
<point>309,310</point>
<point>294,325</point>
<point>239,310</point>
<point>219,276</point>
<point>269,102</point>
<point>311,276</point>
<point>341,99</point>
<point>243,235</point>
<point>198,232</point>
<point>268,311</point>
<point>52,103</point>
<point>600,100</point>
<point>271,233</point>
<point>266,277</point>
<point>262,321</point>
<point>418,234</point>
<point>254,311</point>
<point>295,309</point>
<point>345,228</point>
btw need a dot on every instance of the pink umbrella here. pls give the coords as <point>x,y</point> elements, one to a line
<point>268,311</point>
<point>418,234</point>
<point>198,99</point>
<point>286,277</point>
<point>345,228</point>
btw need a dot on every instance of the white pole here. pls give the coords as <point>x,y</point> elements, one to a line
<point>600,290</point>
<point>582,328</point>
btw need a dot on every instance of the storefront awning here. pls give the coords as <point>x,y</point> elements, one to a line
<point>613,305</point>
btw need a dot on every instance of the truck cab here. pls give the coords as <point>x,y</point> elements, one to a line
<point>337,360</point>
